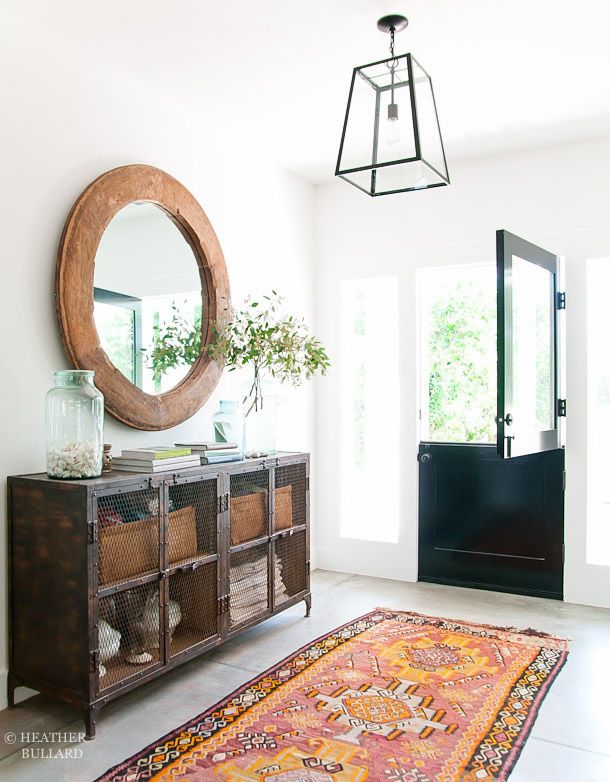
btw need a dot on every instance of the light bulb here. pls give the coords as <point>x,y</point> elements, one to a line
<point>392,127</point>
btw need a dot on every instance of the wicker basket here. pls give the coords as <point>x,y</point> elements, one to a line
<point>248,517</point>
<point>132,549</point>
<point>182,537</point>
<point>283,507</point>
<point>128,550</point>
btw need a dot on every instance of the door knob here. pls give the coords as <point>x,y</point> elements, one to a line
<point>508,419</point>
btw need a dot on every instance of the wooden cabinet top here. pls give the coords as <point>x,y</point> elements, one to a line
<point>120,477</point>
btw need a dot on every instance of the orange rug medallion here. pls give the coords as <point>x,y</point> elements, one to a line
<point>392,696</point>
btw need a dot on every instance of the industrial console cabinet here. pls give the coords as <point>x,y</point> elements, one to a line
<point>116,580</point>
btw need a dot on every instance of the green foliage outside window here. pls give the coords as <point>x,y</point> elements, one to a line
<point>175,343</point>
<point>462,368</point>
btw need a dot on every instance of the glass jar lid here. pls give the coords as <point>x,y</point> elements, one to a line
<point>73,377</point>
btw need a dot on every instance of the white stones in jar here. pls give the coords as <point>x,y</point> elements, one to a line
<point>74,460</point>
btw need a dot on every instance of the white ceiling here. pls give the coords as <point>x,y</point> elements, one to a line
<point>507,75</point>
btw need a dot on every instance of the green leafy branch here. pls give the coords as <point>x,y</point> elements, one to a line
<point>175,343</point>
<point>260,336</point>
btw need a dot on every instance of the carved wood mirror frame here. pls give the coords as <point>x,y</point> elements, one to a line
<point>90,215</point>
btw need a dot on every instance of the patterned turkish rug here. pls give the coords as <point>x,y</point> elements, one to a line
<point>392,697</point>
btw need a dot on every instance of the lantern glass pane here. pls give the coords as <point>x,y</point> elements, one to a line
<point>431,145</point>
<point>361,179</point>
<point>370,136</point>
<point>405,176</point>
<point>396,140</point>
<point>360,130</point>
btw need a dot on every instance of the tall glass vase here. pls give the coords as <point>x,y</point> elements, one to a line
<point>228,423</point>
<point>261,428</point>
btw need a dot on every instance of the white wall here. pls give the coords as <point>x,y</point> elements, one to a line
<point>142,253</point>
<point>557,197</point>
<point>65,122</point>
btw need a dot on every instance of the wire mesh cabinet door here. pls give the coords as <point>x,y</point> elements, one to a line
<point>249,581</point>
<point>128,610</point>
<point>193,546</point>
<point>290,533</point>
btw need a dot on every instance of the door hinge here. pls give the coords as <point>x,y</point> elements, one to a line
<point>563,552</point>
<point>561,300</point>
<point>307,483</point>
<point>222,605</point>
<point>564,480</point>
<point>561,408</point>
<point>223,502</point>
<point>93,531</point>
<point>94,660</point>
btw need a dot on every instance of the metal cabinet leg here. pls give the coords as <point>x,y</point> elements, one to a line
<point>90,718</point>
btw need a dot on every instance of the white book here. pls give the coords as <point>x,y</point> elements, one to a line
<point>208,446</point>
<point>175,460</point>
<point>162,466</point>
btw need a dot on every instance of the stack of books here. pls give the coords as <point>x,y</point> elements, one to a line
<point>213,453</point>
<point>158,459</point>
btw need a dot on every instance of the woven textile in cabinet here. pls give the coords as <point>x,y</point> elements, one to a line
<point>392,696</point>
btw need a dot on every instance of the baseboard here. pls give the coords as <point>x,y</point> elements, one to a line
<point>372,566</point>
<point>313,559</point>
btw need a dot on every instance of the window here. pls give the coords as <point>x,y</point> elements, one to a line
<point>598,406</point>
<point>458,354</point>
<point>369,417</point>
<point>164,323</point>
<point>118,320</point>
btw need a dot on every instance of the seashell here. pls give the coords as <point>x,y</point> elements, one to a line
<point>148,625</point>
<point>138,659</point>
<point>74,460</point>
<point>109,641</point>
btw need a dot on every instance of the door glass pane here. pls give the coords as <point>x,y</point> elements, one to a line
<point>532,343</point>
<point>458,354</point>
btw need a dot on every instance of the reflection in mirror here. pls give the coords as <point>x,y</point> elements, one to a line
<point>148,301</point>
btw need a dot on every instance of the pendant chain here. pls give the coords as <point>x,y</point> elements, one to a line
<point>392,31</point>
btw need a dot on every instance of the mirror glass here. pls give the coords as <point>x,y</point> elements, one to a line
<point>148,298</point>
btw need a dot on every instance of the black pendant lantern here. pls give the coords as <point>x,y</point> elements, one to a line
<point>391,140</point>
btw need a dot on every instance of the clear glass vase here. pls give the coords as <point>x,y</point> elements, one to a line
<point>228,424</point>
<point>74,413</point>
<point>261,428</point>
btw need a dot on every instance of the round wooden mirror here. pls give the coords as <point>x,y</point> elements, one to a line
<point>140,280</point>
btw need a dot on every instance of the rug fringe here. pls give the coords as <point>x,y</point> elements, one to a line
<point>529,631</point>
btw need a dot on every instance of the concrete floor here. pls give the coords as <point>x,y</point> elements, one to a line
<point>570,740</point>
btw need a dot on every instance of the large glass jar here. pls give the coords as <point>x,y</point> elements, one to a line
<point>229,424</point>
<point>74,426</point>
